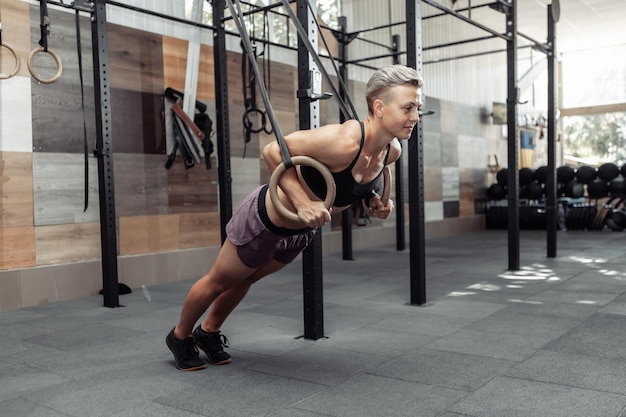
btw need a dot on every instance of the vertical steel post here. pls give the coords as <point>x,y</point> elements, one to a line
<point>513,141</point>
<point>224,173</point>
<point>551,203</point>
<point>417,239</point>
<point>104,154</point>
<point>346,215</point>
<point>399,181</point>
<point>313,299</point>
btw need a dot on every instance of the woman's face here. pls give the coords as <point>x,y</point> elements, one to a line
<point>400,109</point>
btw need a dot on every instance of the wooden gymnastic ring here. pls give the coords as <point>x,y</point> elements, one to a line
<point>306,161</point>
<point>32,70</point>
<point>17,62</point>
<point>386,185</point>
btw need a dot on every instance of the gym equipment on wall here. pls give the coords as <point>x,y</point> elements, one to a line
<point>43,48</point>
<point>255,119</point>
<point>186,131</point>
<point>11,50</point>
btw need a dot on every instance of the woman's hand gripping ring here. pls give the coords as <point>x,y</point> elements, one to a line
<point>307,161</point>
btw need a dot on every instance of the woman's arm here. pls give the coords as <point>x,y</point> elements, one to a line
<point>333,145</point>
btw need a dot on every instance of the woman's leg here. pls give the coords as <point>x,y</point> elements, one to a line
<point>226,302</point>
<point>227,273</point>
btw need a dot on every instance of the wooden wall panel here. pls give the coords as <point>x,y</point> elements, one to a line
<point>198,230</point>
<point>192,190</point>
<point>17,247</point>
<point>175,64</point>
<point>57,113</point>
<point>135,60</point>
<point>16,189</point>
<point>67,243</point>
<point>15,32</point>
<point>139,124</point>
<point>281,87</point>
<point>59,189</point>
<point>141,185</point>
<point>148,234</point>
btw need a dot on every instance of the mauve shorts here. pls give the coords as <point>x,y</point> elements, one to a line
<point>257,239</point>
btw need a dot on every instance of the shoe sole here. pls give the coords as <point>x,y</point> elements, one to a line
<point>224,362</point>
<point>195,368</point>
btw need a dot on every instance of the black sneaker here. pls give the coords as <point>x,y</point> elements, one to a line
<point>213,345</point>
<point>185,353</point>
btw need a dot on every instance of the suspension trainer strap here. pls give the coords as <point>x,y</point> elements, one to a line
<point>44,23</point>
<point>245,38</point>
<point>307,43</point>
<point>82,103</point>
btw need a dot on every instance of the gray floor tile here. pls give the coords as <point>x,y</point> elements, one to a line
<point>508,397</point>
<point>377,340</point>
<point>154,409</point>
<point>243,394</point>
<point>520,324</point>
<point>106,394</point>
<point>19,316</point>
<point>294,412</point>
<point>548,340</point>
<point>513,347</point>
<point>21,407</point>
<point>81,336</point>
<point>445,369</point>
<point>17,379</point>
<point>318,364</point>
<point>602,335</point>
<point>592,373</point>
<point>577,297</point>
<point>615,307</point>
<point>551,309</point>
<point>375,396</point>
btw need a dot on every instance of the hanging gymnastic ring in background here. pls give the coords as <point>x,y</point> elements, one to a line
<point>248,124</point>
<point>307,161</point>
<point>32,70</point>
<point>17,62</point>
<point>386,185</point>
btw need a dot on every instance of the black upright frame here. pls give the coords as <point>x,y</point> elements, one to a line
<point>417,227</point>
<point>551,200</point>
<point>512,138</point>
<point>104,154</point>
<point>221,117</point>
<point>312,268</point>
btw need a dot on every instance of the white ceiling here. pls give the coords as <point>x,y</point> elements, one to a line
<point>584,24</point>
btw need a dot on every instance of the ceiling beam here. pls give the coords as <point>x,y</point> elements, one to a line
<point>585,111</point>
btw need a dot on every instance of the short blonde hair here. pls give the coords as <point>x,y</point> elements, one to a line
<point>387,77</point>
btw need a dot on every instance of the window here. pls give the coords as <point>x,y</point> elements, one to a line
<point>272,25</point>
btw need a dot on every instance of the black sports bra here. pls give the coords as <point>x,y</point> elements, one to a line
<point>348,189</point>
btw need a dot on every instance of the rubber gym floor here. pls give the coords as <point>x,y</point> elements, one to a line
<point>548,340</point>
